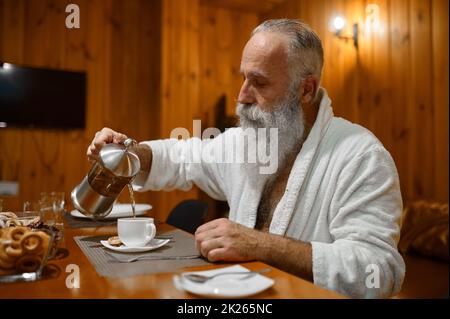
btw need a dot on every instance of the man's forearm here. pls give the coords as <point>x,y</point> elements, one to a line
<point>144,152</point>
<point>290,255</point>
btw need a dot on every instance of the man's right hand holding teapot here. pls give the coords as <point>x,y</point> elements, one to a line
<point>107,135</point>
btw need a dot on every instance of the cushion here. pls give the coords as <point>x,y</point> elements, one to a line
<point>425,229</point>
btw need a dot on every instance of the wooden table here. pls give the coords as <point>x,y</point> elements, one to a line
<point>143,286</point>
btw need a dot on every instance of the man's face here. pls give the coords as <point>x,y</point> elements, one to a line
<point>264,68</point>
<point>269,101</point>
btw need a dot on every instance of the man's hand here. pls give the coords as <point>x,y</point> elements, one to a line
<point>224,240</point>
<point>106,135</point>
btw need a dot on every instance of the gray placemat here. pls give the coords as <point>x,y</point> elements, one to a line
<point>75,222</point>
<point>181,244</point>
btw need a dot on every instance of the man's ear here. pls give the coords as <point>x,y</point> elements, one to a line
<point>308,89</point>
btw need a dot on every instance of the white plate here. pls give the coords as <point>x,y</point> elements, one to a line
<point>226,286</point>
<point>153,244</point>
<point>119,210</point>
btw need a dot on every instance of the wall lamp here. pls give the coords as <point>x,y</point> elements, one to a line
<point>372,24</point>
<point>337,26</point>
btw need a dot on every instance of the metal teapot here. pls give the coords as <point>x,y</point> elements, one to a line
<point>115,168</point>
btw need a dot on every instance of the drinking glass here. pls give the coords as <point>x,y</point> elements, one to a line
<point>30,209</point>
<point>58,211</point>
<point>58,205</point>
<point>46,209</point>
<point>52,208</point>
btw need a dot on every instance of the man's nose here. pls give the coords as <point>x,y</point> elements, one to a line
<point>246,95</point>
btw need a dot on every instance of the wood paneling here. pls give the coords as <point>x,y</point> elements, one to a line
<point>224,35</point>
<point>202,48</point>
<point>395,84</point>
<point>401,99</point>
<point>250,6</point>
<point>118,46</point>
<point>440,57</point>
<point>156,65</point>
<point>152,66</point>
<point>180,79</point>
<point>422,153</point>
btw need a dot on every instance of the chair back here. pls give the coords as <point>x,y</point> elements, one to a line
<point>188,215</point>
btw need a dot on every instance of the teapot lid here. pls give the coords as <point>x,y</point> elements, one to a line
<point>120,159</point>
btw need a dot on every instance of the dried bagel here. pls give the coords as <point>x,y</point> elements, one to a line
<point>114,241</point>
<point>22,249</point>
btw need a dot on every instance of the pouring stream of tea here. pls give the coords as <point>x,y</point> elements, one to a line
<point>133,203</point>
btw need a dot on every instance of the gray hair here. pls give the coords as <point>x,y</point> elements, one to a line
<point>304,50</point>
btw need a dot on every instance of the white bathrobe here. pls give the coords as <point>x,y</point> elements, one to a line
<point>342,196</point>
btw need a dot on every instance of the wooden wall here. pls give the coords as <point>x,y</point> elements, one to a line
<point>395,84</point>
<point>152,66</point>
<point>202,46</point>
<point>118,46</point>
<point>156,65</point>
<point>224,35</point>
<point>180,79</point>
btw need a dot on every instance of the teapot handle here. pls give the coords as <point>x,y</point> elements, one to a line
<point>129,142</point>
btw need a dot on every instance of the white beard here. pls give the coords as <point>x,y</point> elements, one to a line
<point>287,117</point>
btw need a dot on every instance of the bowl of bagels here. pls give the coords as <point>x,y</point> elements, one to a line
<point>26,245</point>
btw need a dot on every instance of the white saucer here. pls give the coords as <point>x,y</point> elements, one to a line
<point>226,286</point>
<point>118,211</point>
<point>153,244</point>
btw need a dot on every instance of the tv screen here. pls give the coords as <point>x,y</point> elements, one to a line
<point>43,98</point>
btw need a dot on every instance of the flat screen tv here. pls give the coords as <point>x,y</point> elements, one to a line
<point>41,98</point>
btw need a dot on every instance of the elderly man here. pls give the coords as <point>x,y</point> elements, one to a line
<point>330,212</point>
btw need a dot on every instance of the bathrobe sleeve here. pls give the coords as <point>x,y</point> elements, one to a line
<point>178,164</point>
<point>364,221</point>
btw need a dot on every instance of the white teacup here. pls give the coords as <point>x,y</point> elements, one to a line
<point>136,232</point>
